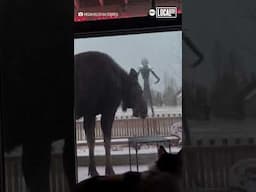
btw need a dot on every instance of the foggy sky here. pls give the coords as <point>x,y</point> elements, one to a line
<point>163,50</point>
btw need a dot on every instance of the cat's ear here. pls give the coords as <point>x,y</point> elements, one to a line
<point>161,151</point>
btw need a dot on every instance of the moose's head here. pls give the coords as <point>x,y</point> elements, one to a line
<point>134,96</point>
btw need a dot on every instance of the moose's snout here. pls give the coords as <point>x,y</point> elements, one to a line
<point>142,112</point>
<point>141,115</point>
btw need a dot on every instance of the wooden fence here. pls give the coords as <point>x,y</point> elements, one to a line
<point>206,168</point>
<point>124,127</point>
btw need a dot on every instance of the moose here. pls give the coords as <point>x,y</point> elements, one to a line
<point>101,86</point>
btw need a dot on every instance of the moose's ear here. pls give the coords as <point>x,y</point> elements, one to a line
<point>133,74</point>
<point>161,151</point>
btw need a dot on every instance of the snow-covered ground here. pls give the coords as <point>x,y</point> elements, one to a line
<point>83,171</point>
<point>121,150</point>
<point>99,151</point>
<point>158,110</point>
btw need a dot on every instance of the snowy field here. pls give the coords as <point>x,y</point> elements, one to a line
<point>99,151</point>
<point>83,171</point>
<point>158,110</point>
<point>121,149</point>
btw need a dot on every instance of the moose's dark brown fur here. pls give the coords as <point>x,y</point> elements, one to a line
<point>101,86</point>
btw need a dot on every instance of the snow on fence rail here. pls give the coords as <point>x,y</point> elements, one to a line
<point>127,126</point>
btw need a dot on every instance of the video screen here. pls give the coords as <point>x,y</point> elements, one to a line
<point>128,100</point>
<point>116,9</point>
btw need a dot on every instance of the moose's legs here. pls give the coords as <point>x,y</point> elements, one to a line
<point>89,127</point>
<point>106,125</point>
<point>36,165</point>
